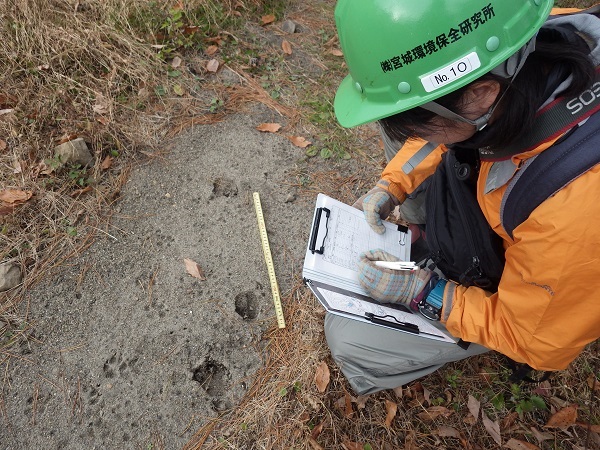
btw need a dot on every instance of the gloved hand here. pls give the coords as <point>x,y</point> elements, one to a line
<point>390,286</point>
<point>377,204</point>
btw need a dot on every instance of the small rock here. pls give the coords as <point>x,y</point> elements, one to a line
<point>10,276</point>
<point>291,197</point>
<point>74,152</point>
<point>288,27</point>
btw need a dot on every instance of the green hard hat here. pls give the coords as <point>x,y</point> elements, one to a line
<point>404,53</point>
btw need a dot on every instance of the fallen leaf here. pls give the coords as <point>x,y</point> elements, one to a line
<point>592,381</point>
<point>107,163</point>
<point>563,418</point>
<point>14,196</point>
<point>448,432</point>
<point>399,392</point>
<point>269,127</point>
<point>194,269</point>
<point>361,401</point>
<point>322,376</point>
<point>409,442</point>
<point>211,50</point>
<point>594,428</point>
<point>316,431</point>
<point>544,389</point>
<point>473,404</point>
<point>4,210</point>
<point>541,436</point>
<point>470,419</point>
<point>391,409</point>
<point>6,111</point>
<point>2,145</point>
<point>492,427</point>
<point>18,166</point>
<point>266,20</point>
<point>434,412</point>
<point>212,65</point>
<point>102,105</point>
<point>286,47</point>
<point>43,67</point>
<point>347,445</point>
<point>345,404</point>
<point>508,422</point>
<point>176,62</point>
<point>178,90</point>
<point>103,120</point>
<point>299,141</point>
<point>79,192</point>
<point>426,395</point>
<point>190,29</point>
<point>314,444</point>
<point>336,52</point>
<point>515,444</point>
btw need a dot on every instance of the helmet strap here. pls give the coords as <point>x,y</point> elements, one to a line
<point>509,69</point>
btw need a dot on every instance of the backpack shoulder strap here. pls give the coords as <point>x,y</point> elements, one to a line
<point>549,172</point>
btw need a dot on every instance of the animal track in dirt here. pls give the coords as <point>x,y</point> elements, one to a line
<point>116,363</point>
<point>213,377</point>
<point>246,305</point>
<point>224,187</point>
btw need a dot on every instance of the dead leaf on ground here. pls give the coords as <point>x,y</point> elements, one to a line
<point>594,428</point>
<point>399,392</point>
<point>212,65</point>
<point>592,381</point>
<point>2,145</point>
<point>266,20</point>
<point>269,127</point>
<point>508,422</point>
<point>194,269</point>
<point>347,445</point>
<point>473,404</point>
<point>286,47</point>
<point>434,412</point>
<point>470,420</point>
<point>211,50</point>
<point>492,427</point>
<point>563,418</point>
<point>4,210</point>
<point>336,52</point>
<point>299,141</point>
<point>14,196</point>
<point>361,401</point>
<point>107,163</point>
<point>79,192</point>
<point>541,436</point>
<point>316,431</point>
<point>544,389</point>
<point>103,120</point>
<point>6,111</point>
<point>102,105</point>
<point>448,432</point>
<point>176,62</point>
<point>322,376</point>
<point>515,444</point>
<point>314,444</point>
<point>391,409</point>
<point>345,405</point>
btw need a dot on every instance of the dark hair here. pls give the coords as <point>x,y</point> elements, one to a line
<point>558,54</point>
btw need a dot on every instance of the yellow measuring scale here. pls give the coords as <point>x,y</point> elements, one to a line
<point>269,260</point>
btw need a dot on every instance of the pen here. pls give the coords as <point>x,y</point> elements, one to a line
<point>397,265</point>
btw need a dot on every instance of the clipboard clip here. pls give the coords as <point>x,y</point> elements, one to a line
<point>315,231</point>
<point>403,232</point>
<point>394,323</point>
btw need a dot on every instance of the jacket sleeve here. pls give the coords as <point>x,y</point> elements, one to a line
<point>413,164</point>
<point>548,303</point>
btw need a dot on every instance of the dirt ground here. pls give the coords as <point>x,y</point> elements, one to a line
<point>130,351</point>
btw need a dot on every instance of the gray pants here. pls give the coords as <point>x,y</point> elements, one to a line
<point>374,358</point>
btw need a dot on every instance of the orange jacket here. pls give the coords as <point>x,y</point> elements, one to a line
<point>547,307</point>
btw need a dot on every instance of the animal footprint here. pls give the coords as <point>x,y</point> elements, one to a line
<point>116,364</point>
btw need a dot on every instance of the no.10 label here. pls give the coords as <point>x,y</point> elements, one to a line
<point>451,72</point>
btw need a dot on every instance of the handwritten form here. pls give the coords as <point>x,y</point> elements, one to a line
<point>333,275</point>
<point>344,236</point>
